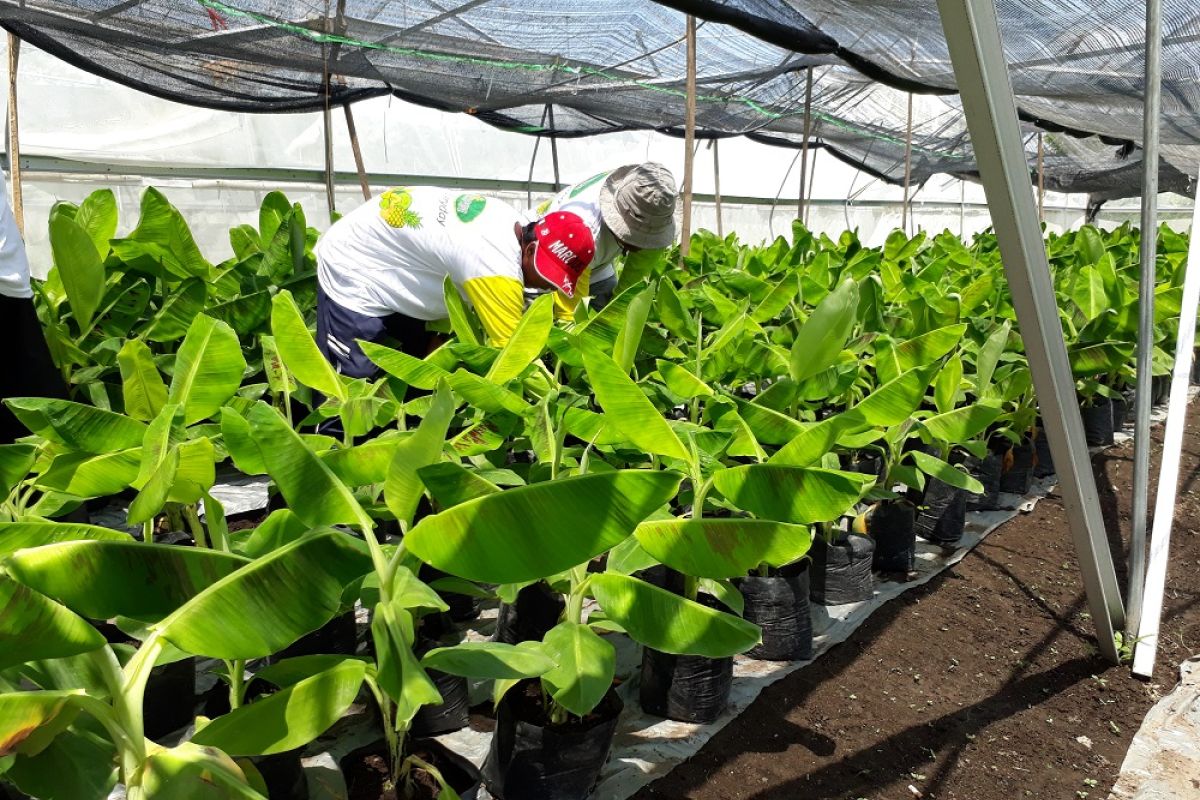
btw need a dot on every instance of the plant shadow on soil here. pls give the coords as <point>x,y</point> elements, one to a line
<point>983,684</point>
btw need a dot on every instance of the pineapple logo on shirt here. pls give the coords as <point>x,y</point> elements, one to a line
<point>394,207</point>
<point>469,206</point>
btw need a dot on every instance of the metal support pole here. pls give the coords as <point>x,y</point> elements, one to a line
<point>689,151</point>
<point>907,166</point>
<point>801,206</point>
<point>1145,346</point>
<point>981,72</point>
<point>358,159</point>
<point>553,147</point>
<point>14,138</point>
<point>1041,179</point>
<point>1150,612</point>
<point>962,209</point>
<point>717,185</point>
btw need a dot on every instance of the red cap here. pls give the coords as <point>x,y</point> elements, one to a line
<point>564,250</point>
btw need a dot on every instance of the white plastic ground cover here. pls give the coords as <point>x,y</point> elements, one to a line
<point>1163,762</point>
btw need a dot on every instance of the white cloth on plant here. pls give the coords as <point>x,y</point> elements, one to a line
<point>14,263</point>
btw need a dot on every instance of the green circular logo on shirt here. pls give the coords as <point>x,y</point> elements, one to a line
<point>469,206</point>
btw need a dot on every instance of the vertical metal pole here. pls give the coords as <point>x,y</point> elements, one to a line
<point>981,72</point>
<point>1145,346</point>
<point>717,185</point>
<point>363,182</point>
<point>689,152</point>
<point>907,166</point>
<point>14,138</point>
<point>1150,611</point>
<point>1041,179</point>
<point>801,206</point>
<point>553,146</point>
<point>962,209</point>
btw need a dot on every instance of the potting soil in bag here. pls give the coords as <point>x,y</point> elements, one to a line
<point>986,471</point>
<point>892,526</point>
<point>685,688</point>
<point>841,572</point>
<point>941,516</point>
<point>536,611</point>
<point>779,605</point>
<point>1098,423</point>
<point>1017,478</point>
<point>529,760</point>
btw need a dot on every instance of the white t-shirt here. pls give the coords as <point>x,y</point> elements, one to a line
<point>584,199</point>
<point>14,264</point>
<point>392,253</point>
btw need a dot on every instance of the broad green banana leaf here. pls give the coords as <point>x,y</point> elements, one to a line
<point>208,369</point>
<point>34,627</point>
<point>722,548</point>
<point>536,531</point>
<point>584,666</point>
<point>669,623</point>
<point>299,351</point>
<point>800,495</point>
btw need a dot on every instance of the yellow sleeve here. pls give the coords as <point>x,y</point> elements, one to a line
<point>564,307</point>
<point>499,302</point>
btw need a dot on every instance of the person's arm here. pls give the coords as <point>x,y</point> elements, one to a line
<point>499,301</point>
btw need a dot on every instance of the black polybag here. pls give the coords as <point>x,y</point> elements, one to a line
<point>537,610</point>
<point>452,714</point>
<point>1045,459</point>
<point>685,688</point>
<point>528,761</point>
<point>942,513</point>
<point>892,525</point>
<point>841,572</point>
<point>1098,422</point>
<point>986,471</point>
<point>779,605</point>
<point>1019,475</point>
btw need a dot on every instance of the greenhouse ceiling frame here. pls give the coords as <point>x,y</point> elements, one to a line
<point>981,72</point>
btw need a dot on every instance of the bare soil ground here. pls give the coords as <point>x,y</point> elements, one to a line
<point>984,684</point>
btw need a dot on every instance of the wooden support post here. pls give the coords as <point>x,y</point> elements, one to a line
<point>358,159</point>
<point>689,138</point>
<point>553,147</point>
<point>1041,179</point>
<point>907,166</point>
<point>327,117</point>
<point>14,138</point>
<point>717,186</point>
<point>800,207</point>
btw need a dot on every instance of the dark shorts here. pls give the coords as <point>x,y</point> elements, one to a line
<point>339,328</point>
<point>29,370</point>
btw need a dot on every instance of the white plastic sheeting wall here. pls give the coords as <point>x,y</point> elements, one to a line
<point>70,114</point>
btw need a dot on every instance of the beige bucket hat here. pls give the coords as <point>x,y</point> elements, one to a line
<point>638,204</point>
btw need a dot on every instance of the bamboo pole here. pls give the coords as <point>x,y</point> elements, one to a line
<point>327,117</point>
<point>358,159</point>
<point>553,147</point>
<point>689,138</point>
<point>14,139</point>
<point>717,186</point>
<point>907,166</point>
<point>801,207</point>
<point>1041,179</point>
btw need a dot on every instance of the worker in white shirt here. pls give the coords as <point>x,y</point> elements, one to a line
<point>381,268</point>
<point>629,210</point>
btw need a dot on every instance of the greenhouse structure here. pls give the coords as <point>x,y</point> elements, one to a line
<point>455,399</point>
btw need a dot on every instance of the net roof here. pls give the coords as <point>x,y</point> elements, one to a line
<point>552,67</point>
